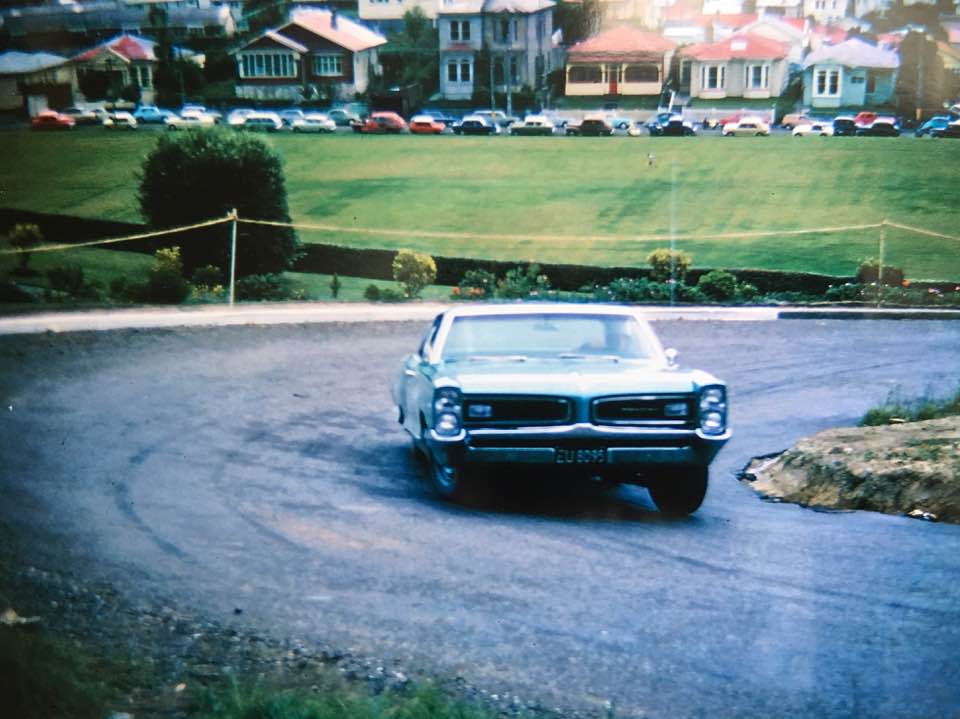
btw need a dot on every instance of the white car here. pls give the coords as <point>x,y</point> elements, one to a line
<point>314,122</point>
<point>120,121</point>
<point>191,119</point>
<point>823,129</point>
<point>269,121</point>
<point>746,126</point>
<point>236,117</point>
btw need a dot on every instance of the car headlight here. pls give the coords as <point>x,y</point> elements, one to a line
<point>713,410</point>
<point>447,411</point>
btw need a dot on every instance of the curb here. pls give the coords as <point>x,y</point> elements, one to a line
<point>329,312</point>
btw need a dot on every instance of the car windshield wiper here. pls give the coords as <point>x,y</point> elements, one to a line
<point>574,355</point>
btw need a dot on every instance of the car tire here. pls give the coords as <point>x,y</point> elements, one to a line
<point>680,493</point>
<point>454,484</point>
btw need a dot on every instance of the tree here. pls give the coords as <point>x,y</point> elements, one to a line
<point>204,174</point>
<point>414,271</point>
<point>922,82</point>
<point>262,15</point>
<point>23,237</point>
<point>578,20</point>
<point>411,56</point>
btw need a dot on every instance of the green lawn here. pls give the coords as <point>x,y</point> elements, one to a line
<point>580,200</point>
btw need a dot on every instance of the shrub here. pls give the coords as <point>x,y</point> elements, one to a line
<point>869,273</point>
<point>847,292</point>
<point>372,293</point>
<point>200,175</point>
<point>266,287</point>
<point>414,271</point>
<point>477,284</point>
<point>520,283</point>
<point>385,294</point>
<point>335,286</point>
<point>23,237</point>
<point>666,264</point>
<point>166,283</point>
<point>207,276</point>
<point>718,285</point>
<point>66,279</point>
<point>747,291</point>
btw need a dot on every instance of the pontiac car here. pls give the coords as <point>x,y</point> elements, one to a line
<point>560,390</point>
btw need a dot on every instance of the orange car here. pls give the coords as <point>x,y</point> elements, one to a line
<point>383,122</point>
<point>51,120</point>
<point>426,125</point>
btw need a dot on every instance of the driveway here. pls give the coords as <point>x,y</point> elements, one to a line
<point>260,468</point>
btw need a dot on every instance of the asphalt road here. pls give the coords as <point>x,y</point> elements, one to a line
<point>260,468</point>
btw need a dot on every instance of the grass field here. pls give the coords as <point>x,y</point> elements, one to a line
<point>580,200</point>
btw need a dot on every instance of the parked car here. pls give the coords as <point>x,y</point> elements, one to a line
<point>820,128</point>
<point>314,122</point>
<point>383,123</point>
<point>198,110</point>
<point>288,116</point>
<point>563,390</point>
<point>52,120</point>
<point>618,121</point>
<point>864,118</point>
<point>426,125</point>
<point>151,114</point>
<point>343,116</point>
<point>592,126</point>
<point>844,126</point>
<point>532,125</point>
<point>746,126</point>
<point>121,120</point>
<point>85,116</point>
<point>191,119</point>
<point>670,126</point>
<point>262,122</point>
<point>440,116</point>
<point>880,127</point>
<point>793,119</point>
<point>497,117</point>
<point>937,122</point>
<point>951,131</point>
<point>476,125</point>
<point>235,118</point>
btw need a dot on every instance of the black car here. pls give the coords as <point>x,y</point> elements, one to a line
<point>476,125</point>
<point>672,126</point>
<point>881,127</point>
<point>844,127</point>
<point>591,127</point>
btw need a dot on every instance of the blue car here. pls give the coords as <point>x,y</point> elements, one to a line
<point>937,122</point>
<point>559,390</point>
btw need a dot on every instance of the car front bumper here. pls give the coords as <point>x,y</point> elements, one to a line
<point>579,446</point>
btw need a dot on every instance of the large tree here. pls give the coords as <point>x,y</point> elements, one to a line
<point>411,56</point>
<point>922,83</point>
<point>204,174</point>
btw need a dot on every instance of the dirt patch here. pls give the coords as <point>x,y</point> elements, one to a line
<point>911,468</point>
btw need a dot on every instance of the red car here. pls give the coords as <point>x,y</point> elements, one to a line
<point>426,125</point>
<point>382,122</point>
<point>865,119</point>
<point>51,120</point>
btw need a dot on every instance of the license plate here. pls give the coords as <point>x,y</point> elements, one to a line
<point>581,456</point>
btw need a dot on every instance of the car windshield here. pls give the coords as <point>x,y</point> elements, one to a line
<point>574,336</point>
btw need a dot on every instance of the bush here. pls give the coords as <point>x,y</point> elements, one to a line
<point>66,279</point>
<point>23,237</point>
<point>747,291</point>
<point>386,294</point>
<point>521,283</point>
<point>208,276</point>
<point>414,271</point>
<point>372,293</point>
<point>335,286</point>
<point>718,285</point>
<point>847,292</point>
<point>476,285</point>
<point>166,283</point>
<point>267,287</point>
<point>200,175</point>
<point>869,273</point>
<point>666,264</point>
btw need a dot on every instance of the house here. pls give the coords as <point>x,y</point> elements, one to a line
<point>780,8</point>
<point>387,15</point>
<point>853,73</point>
<point>747,66</point>
<point>826,11</point>
<point>516,34</point>
<point>620,61</point>
<point>792,32</point>
<point>105,71</point>
<point>35,82</point>
<point>316,52</point>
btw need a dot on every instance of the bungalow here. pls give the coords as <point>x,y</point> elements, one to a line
<point>851,74</point>
<point>621,61</point>
<point>35,81</point>
<point>745,66</point>
<point>314,50</point>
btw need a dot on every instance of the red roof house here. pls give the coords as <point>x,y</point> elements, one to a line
<point>620,61</point>
<point>747,66</point>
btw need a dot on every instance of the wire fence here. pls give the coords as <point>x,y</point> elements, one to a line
<point>674,239</point>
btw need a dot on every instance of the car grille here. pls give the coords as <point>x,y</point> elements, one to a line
<point>515,411</point>
<point>644,411</point>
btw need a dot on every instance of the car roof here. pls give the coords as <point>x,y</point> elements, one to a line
<point>494,309</point>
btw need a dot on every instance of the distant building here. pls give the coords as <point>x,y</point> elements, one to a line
<point>825,11</point>
<point>853,73</point>
<point>387,15</point>
<point>30,82</point>
<point>314,52</point>
<point>620,61</point>
<point>781,8</point>
<point>747,66</point>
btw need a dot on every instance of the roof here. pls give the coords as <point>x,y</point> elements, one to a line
<point>733,21</point>
<point>337,28</point>
<point>622,43</point>
<point>738,47</point>
<point>128,47</point>
<point>22,63</point>
<point>516,6</point>
<point>285,41</point>
<point>854,53</point>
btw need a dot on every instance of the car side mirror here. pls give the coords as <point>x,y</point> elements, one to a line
<point>671,356</point>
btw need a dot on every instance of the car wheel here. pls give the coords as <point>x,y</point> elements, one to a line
<point>680,493</point>
<point>451,483</point>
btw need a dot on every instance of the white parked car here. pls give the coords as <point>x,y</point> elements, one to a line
<point>236,117</point>
<point>191,119</point>
<point>314,122</point>
<point>120,121</point>
<point>269,121</point>
<point>823,129</point>
<point>746,126</point>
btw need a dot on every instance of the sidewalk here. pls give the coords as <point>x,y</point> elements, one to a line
<point>320,312</point>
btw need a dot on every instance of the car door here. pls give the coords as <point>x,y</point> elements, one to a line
<point>415,385</point>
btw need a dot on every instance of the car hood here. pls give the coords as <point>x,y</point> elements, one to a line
<point>570,377</point>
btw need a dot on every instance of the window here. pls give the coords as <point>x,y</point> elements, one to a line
<point>871,83</point>
<point>328,65</point>
<point>514,71</point>
<point>459,71</point>
<point>144,78</point>
<point>261,64</point>
<point>826,82</point>
<point>459,30</point>
<point>757,77</point>
<point>498,71</point>
<point>713,77</point>
<point>641,73</point>
<point>585,74</point>
<point>504,31</point>
<point>465,73</point>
